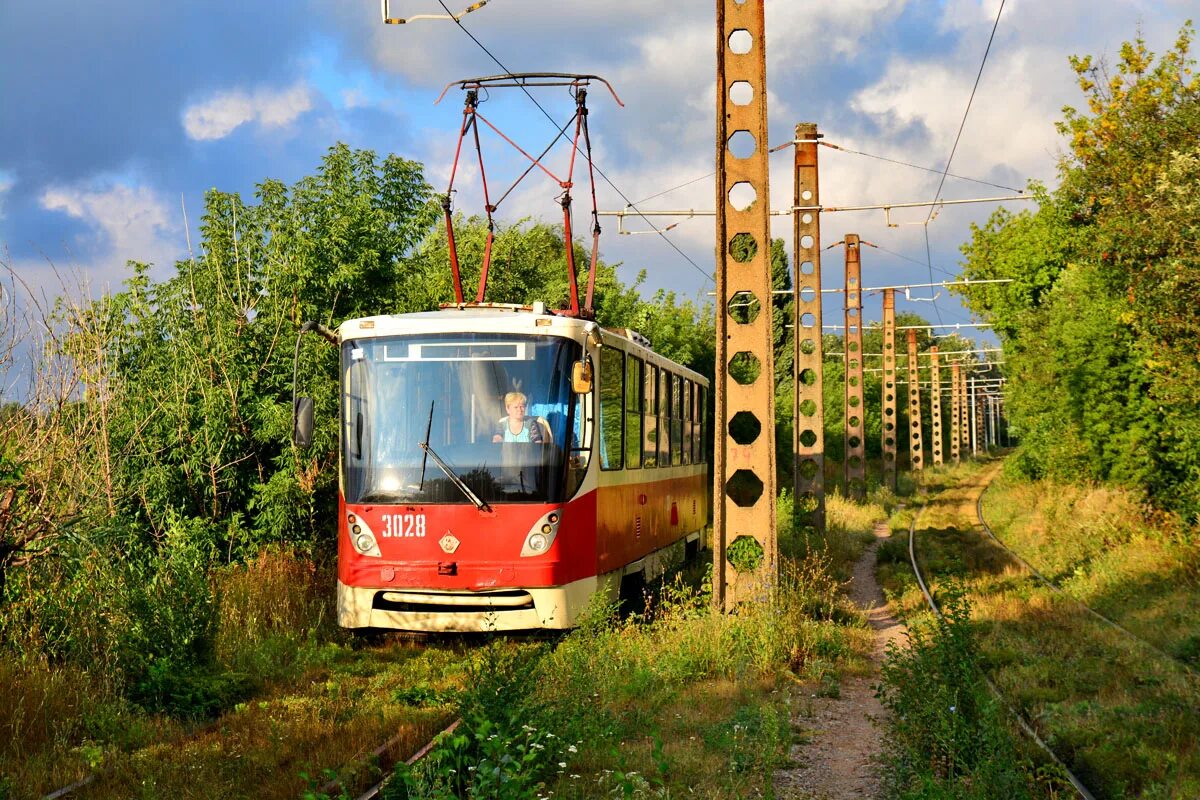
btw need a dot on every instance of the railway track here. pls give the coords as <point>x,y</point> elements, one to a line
<point>1063,593</point>
<point>1026,728</point>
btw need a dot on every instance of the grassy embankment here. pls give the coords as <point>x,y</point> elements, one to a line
<point>1123,718</point>
<point>677,697</point>
<point>288,694</point>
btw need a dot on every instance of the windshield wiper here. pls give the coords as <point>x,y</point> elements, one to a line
<point>428,428</point>
<point>450,473</point>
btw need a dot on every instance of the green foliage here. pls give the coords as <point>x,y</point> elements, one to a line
<point>1099,325</point>
<point>195,370</point>
<point>946,735</point>
<point>502,748</point>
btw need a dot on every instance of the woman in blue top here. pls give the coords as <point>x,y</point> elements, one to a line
<point>517,427</point>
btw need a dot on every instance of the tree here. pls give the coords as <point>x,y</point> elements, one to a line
<point>1099,325</point>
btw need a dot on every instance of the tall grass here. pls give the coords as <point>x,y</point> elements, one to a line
<point>679,699</point>
<point>107,651</point>
<point>946,734</point>
<point>1107,549</point>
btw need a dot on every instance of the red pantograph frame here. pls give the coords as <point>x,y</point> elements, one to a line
<point>471,120</point>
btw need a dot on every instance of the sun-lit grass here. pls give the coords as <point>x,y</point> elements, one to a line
<point>1096,544</point>
<point>329,720</point>
<point>315,700</point>
<point>1123,718</point>
<point>680,691</point>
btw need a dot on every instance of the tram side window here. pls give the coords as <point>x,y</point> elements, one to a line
<point>664,418</point>
<point>696,412</point>
<point>633,413</point>
<point>685,427</point>
<point>612,393</point>
<point>650,417</point>
<point>676,420</point>
<point>702,427</point>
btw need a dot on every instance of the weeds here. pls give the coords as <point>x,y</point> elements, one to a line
<point>946,736</point>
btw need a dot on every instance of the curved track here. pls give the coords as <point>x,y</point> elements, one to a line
<point>1025,726</point>
<point>1059,590</point>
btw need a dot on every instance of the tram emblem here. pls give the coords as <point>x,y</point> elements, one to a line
<point>449,543</point>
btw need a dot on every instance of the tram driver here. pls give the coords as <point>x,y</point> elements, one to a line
<point>516,427</point>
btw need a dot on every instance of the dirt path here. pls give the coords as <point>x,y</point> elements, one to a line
<point>840,756</point>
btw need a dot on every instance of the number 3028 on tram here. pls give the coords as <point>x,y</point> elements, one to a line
<point>500,465</point>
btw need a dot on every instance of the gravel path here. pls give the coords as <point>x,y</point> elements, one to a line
<point>838,756</point>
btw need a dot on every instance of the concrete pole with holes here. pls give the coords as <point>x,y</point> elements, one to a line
<point>935,407</point>
<point>974,430</point>
<point>964,413</point>
<point>916,446</point>
<point>995,407</point>
<point>955,414</point>
<point>888,426</point>
<point>744,537</point>
<point>808,379</point>
<point>855,466</point>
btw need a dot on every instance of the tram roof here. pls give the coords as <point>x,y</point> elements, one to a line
<point>503,318</point>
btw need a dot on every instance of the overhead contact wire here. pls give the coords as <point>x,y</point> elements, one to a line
<point>957,138</point>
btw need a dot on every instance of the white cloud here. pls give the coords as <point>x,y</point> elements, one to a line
<point>224,112</point>
<point>354,98</point>
<point>6,184</point>
<point>126,223</point>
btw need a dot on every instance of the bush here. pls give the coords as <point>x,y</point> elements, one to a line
<point>947,736</point>
<point>122,609</point>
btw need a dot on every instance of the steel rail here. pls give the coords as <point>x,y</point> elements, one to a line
<point>374,791</point>
<point>1056,588</point>
<point>1024,725</point>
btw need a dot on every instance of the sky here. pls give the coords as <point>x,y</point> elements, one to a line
<point>116,117</point>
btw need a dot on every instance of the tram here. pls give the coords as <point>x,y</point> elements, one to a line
<point>501,464</point>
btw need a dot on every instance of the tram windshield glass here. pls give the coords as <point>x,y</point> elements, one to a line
<point>497,411</point>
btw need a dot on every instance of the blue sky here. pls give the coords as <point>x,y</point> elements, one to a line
<point>116,115</point>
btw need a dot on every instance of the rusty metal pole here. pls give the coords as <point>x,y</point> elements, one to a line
<point>916,447</point>
<point>744,539</point>
<point>855,467</point>
<point>888,427</point>
<point>955,415</point>
<point>992,407</point>
<point>808,378</point>
<point>935,406</point>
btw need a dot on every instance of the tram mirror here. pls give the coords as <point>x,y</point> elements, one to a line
<point>581,376</point>
<point>302,423</point>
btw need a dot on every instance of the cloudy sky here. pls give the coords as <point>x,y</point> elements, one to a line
<point>114,116</point>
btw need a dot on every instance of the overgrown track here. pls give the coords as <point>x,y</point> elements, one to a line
<point>374,791</point>
<point>1063,593</point>
<point>1028,729</point>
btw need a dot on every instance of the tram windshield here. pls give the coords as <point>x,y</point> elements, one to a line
<point>496,409</point>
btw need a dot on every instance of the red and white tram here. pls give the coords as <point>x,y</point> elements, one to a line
<point>500,465</point>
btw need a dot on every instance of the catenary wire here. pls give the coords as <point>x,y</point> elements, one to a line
<point>599,171</point>
<point>957,138</point>
<point>918,166</point>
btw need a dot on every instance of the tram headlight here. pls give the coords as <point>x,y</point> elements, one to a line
<point>362,538</point>
<point>541,535</point>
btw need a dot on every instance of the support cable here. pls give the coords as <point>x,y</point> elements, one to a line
<point>833,146</point>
